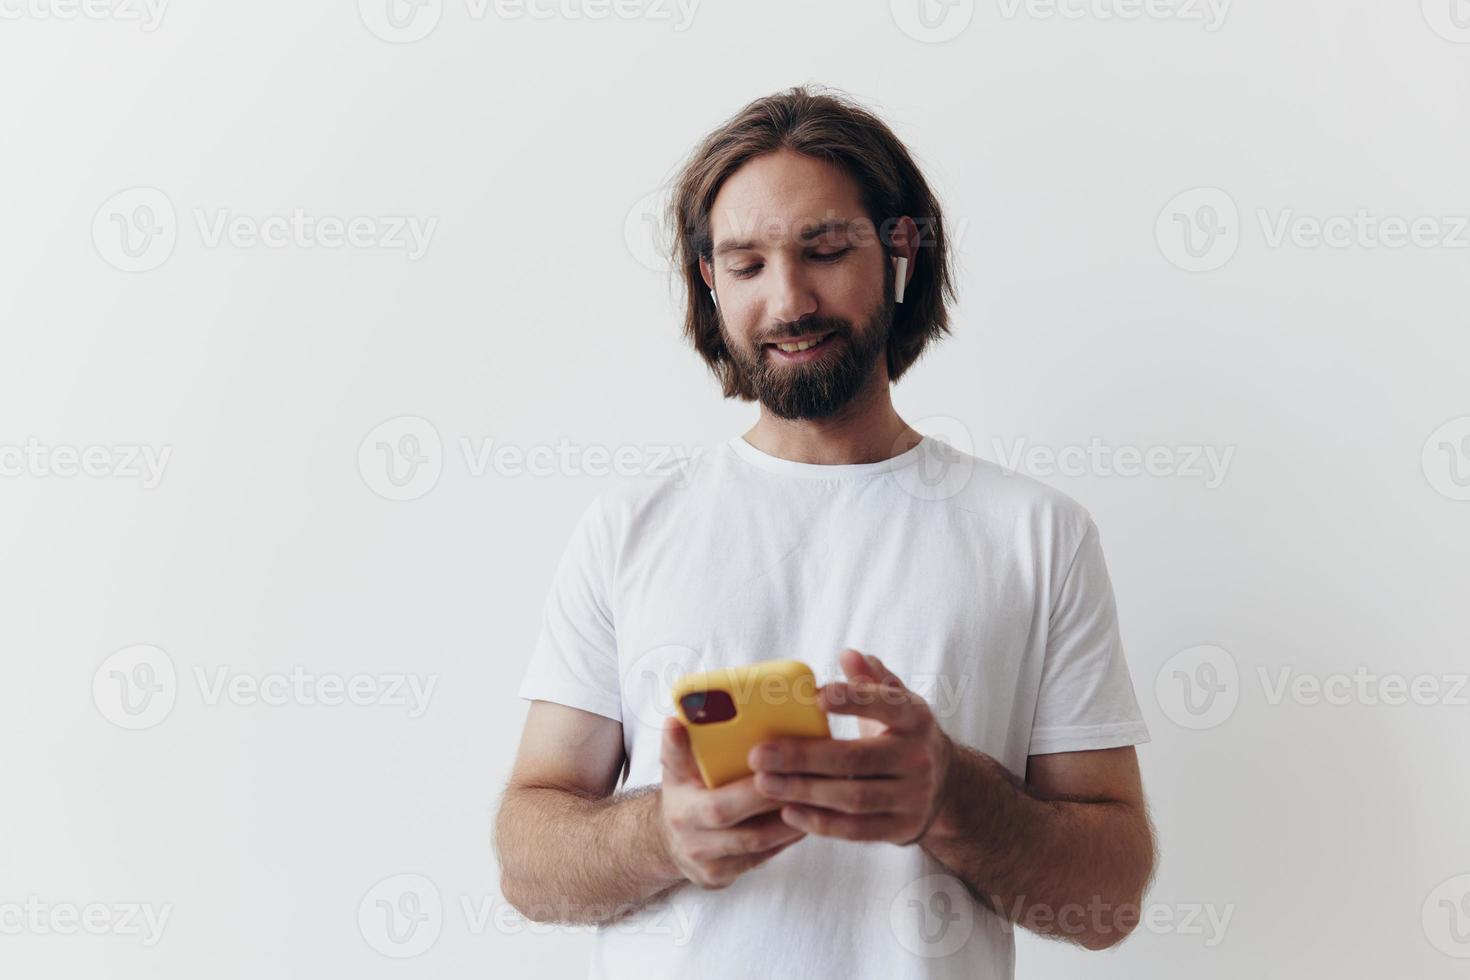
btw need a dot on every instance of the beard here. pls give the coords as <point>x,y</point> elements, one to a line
<point>820,388</point>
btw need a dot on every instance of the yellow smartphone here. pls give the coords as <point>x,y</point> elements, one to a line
<point>728,712</point>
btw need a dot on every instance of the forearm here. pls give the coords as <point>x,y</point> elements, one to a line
<point>576,859</point>
<point>1066,868</point>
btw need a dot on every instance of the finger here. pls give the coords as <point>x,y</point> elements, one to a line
<point>753,836</point>
<point>764,856</point>
<point>881,671</point>
<point>896,707</point>
<point>856,665</point>
<point>843,795</point>
<point>727,805</point>
<point>866,666</point>
<point>745,862</point>
<point>830,823</point>
<point>883,756</point>
<point>676,755</point>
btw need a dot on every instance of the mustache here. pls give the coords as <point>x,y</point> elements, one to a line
<point>839,327</point>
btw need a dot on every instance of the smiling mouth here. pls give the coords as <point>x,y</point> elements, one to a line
<point>800,344</point>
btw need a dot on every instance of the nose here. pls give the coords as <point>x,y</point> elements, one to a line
<point>792,297</point>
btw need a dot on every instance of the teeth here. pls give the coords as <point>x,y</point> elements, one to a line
<point>803,345</point>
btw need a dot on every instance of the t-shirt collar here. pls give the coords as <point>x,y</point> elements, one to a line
<point>824,471</point>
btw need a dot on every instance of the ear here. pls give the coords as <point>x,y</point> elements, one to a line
<point>707,272</point>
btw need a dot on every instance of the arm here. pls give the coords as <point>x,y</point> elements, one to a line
<point>571,852</point>
<point>1068,853</point>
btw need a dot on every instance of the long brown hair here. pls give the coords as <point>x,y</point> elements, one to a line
<point>828,125</point>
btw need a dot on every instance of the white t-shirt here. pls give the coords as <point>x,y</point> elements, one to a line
<point>984,590</point>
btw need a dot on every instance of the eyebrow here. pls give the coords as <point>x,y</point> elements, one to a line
<point>807,234</point>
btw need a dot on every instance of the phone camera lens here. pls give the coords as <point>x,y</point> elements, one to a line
<point>705,707</point>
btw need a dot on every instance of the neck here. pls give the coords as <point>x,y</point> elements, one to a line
<point>865,430</point>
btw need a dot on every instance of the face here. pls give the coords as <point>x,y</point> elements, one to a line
<point>805,301</point>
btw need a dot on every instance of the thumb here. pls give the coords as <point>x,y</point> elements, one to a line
<point>676,755</point>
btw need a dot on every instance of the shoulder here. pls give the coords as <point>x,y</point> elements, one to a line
<point>983,480</point>
<point>672,478</point>
<point>1010,502</point>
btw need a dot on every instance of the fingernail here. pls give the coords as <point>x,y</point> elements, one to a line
<point>772,782</point>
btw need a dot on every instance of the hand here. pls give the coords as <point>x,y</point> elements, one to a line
<point>714,835</point>
<point>886,785</point>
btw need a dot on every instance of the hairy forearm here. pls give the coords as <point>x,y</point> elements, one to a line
<point>1066,868</point>
<point>579,859</point>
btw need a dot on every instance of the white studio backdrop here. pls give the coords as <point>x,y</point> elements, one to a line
<point>320,322</point>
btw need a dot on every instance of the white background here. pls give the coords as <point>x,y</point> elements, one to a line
<point>1058,144</point>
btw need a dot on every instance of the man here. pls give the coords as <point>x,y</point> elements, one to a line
<point>982,771</point>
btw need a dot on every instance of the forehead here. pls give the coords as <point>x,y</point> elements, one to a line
<point>774,197</point>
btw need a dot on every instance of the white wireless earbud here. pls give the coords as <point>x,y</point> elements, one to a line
<point>901,265</point>
<point>713,300</point>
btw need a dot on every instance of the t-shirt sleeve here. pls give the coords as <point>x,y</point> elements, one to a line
<point>575,660</point>
<point>1086,700</point>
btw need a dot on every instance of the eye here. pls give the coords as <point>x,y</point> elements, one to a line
<point>828,257</point>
